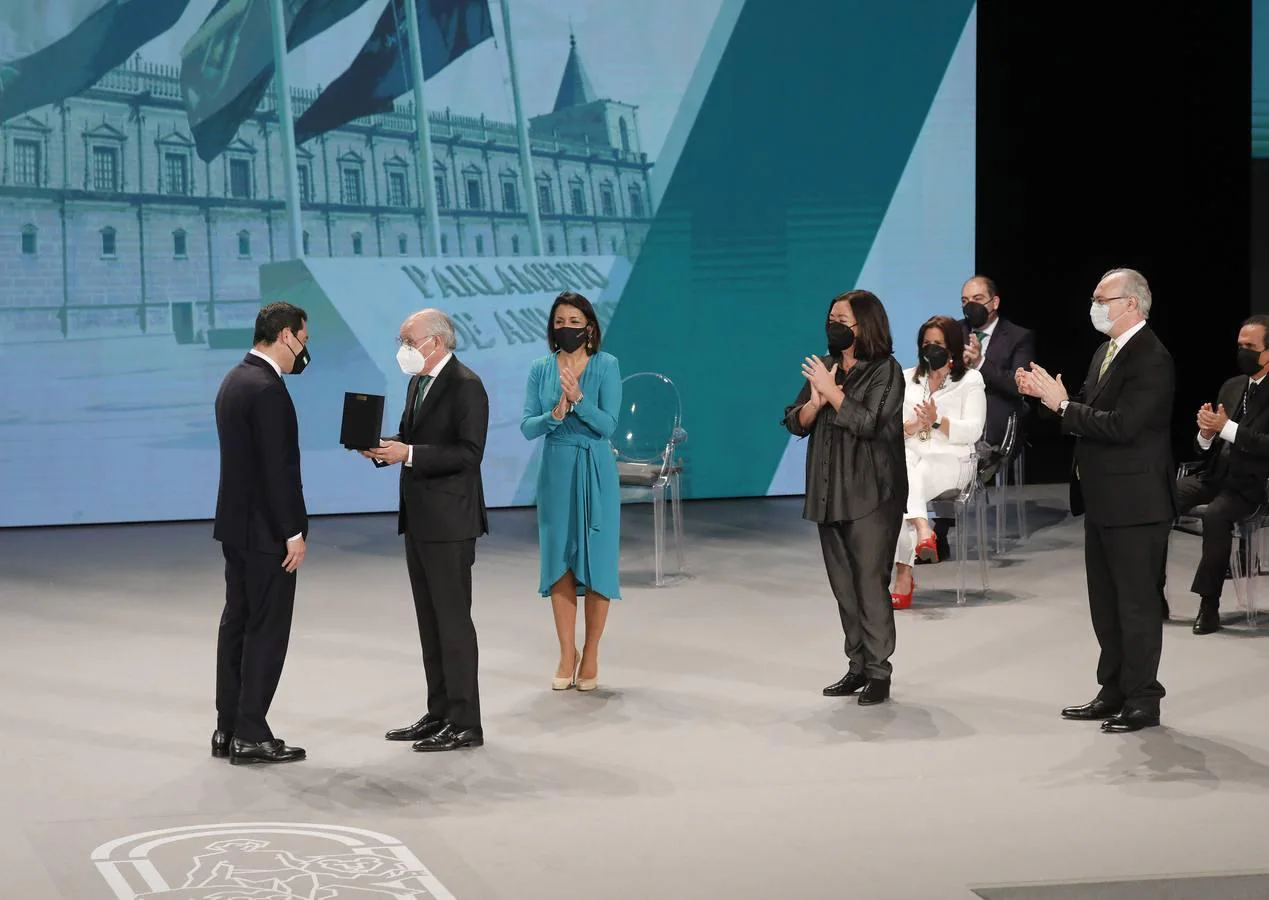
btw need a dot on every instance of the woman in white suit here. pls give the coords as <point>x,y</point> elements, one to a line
<point>944,411</point>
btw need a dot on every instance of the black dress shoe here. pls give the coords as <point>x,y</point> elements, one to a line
<point>424,727</point>
<point>451,738</point>
<point>243,753</point>
<point>847,685</point>
<point>1130,720</point>
<point>1208,619</point>
<point>877,690</point>
<point>1092,710</point>
<point>220,743</point>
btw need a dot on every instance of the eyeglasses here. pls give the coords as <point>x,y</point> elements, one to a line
<point>1104,300</point>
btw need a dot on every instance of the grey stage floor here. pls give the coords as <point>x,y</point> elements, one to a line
<point>707,766</point>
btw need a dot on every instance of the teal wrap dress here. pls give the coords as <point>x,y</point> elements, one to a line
<point>578,496</point>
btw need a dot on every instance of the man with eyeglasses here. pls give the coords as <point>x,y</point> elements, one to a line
<point>1122,483</point>
<point>439,446</point>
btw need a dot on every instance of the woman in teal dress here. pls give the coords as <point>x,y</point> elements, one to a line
<point>572,400</point>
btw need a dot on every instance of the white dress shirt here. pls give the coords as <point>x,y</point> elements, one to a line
<point>268,359</point>
<point>435,373</point>
<point>1230,429</point>
<point>1127,336</point>
<point>278,369</point>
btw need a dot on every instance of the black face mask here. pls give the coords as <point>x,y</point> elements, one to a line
<point>302,359</point>
<point>569,339</point>
<point>976,315</point>
<point>935,356</point>
<point>840,338</point>
<point>1249,361</point>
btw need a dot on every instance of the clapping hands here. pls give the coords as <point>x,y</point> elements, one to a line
<point>1038,383</point>
<point>1210,422</point>
<point>926,413</point>
<point>822,379</point>
<point>569,386</point>
<point>973,350</point>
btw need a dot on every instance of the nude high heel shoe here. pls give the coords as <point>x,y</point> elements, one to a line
<point>585,684</point>
<point>563,684</point>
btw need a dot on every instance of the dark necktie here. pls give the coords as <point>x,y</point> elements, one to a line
<point>1248,396</point>
<point>418,397</point>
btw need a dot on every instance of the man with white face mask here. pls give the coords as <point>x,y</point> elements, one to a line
<point>440,445</point>
<point>1122,482</point>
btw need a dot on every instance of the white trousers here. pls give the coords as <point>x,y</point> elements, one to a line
<point>929,474</point>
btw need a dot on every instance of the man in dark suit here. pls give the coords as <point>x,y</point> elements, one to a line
<point>439,445</point>
<point>1123,485</point>
<point>261,523</point>
<point>1231,482</point>
<point>997,348</point>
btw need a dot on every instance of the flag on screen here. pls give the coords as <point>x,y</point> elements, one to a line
<point>54,49</point>
<point>227,65</point>
<point>381,71</point>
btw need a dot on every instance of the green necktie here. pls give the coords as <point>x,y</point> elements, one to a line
<point>1110,354</point>
<point>980,335</point>
<point>418,396</point>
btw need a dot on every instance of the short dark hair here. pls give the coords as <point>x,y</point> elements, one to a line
<point>872,325</point>
<point>273,317</point>
<point>955,339</point>
<point>992,289</point>
<point>583,306</point>
<point>1262,321</point>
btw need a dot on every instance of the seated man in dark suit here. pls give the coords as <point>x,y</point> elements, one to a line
<point>997,348</point>
<point>1231,483</point>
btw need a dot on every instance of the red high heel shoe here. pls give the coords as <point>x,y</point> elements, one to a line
<point>902,601</point>
<point>928,549</point>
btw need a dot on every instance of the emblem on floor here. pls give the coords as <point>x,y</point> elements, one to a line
<point>264,861</point>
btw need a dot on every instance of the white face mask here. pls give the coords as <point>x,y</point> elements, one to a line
<point>411,360</point>
<point>1099,315</point>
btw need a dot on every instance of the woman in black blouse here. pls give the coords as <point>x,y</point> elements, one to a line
<point>851,408</point>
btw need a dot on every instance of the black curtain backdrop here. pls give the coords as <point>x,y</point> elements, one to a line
<point>1117,133</point>
<point>1260,234</point>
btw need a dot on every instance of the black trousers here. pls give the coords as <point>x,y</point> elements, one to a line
<point>255,630</point>
<point>1123,565</point>
<point>1224,508</point>
<point>440,577</point>
<point>859,557</point>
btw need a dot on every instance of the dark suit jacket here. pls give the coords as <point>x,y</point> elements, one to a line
<point>1123,471</point>
<point>1011,347</point>
<point>260,504</point>
<point>442,497</point>
<point>1243,466</point>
